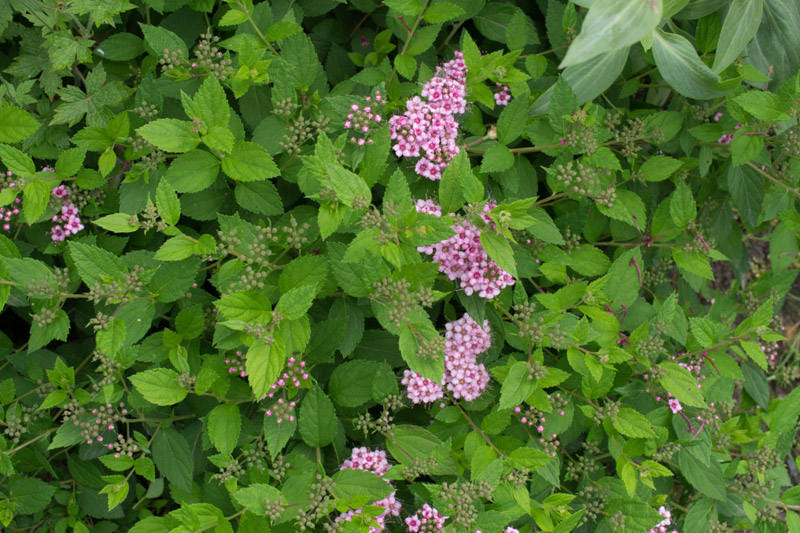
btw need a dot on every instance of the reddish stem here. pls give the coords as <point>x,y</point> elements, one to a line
<point>633,262</point>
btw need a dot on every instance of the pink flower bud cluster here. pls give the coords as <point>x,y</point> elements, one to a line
<point>664,524</point>
<point>69,221</point>
<point>361,119</point>
<point>282,410</point>
<point>7,213</point>
<point>425,520</point>
<point>502,97</point>
<point>771,352</point>
<point>461,257</point>
<point>371,461</point>
<point>509,529</point>
<point>295,373</point>
<point>428,128</point>
<point>464,340</point>
<point>728,137</point>
<point>236,364</point>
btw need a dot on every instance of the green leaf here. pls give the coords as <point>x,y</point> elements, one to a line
<point>659,167</point>
<point>282,29</point>
<point>500,251</point>
<point>346,184</point>
<point>249,161</point>
<point>170,135</point>
<point>169,207</point>
<point>784,418</point>
<point>112,338</point>
<point>173,457</point>
<point>35,197</point>
<point>175,249</point>
<point>408,443</point>
<point>451,197</point>
<point>442,12</point>
<point>512,120</point>
<point>682,207</point>
<point>740,26</point>
<point>159,386</point>
<point>16,124</point>
<point>516,386</point>
<point>118,223</point>
<point>317,421</point>
<point>679,64</point>
<point>632,423</point>
<point>254,497</point>
<point>16,161</point>
<point>211,104</point>
<point>94,263</point>
<point>30,495</point>
<point>247,306</point>
<point>562,104</point>
<point>681,384</point>
<point>544,228</point>
<point>224,426</point>
<point>351,483</point>
<point>745,148</point>
<point>409,8</point>
<point>747,192</point>
<point>530,458</point>
<point>610,25</point>
<point>347,385</point>
<point>159,39</point>
<point>121,46</point>
<point>193,171</point>
<point>708,478</point>
<point>296,302</point>
<point>260,197</point>
<point>497,158</point>
<point>70,162</point>
<point>264,363</point>
<point>588,80</point>
<point>694,263</point>
<point>405,65</point>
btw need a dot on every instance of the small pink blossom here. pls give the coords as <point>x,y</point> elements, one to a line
<point>675,405</point>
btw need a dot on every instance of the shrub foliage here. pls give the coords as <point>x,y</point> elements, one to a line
<point>460,265</point>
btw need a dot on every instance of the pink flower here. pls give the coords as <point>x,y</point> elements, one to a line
<point>420,389</point>
<point>675,405</point>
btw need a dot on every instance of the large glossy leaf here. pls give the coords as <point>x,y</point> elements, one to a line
<point>777,43</point>
<point>588,79</point>
<point>679,64</point>
<point>611,25</point>
<point>740,26</point>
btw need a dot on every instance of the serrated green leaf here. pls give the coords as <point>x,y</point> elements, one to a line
<point>224,426</point>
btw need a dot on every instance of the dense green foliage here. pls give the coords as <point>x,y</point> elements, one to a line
<point>216,279</point>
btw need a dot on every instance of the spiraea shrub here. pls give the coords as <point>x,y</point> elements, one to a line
<point>451,265</point>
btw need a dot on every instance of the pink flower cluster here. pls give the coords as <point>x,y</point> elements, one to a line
<point>464,340</point>
<point>509,529</point>
<point>282,410</point>
<point>425,520</point>
<point>295,372</point>
<point>7,213</point>
<point>361,119</point>
<point>428,128</point>
<point>419,389</point>
<point>728,137</point>
<point>236,364</point>
<point>502,97</point>
<point>367,460</point>
<point>664,524</point>
<point>463,258</point>
<point>371,461</point>
<point>69,222</point>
